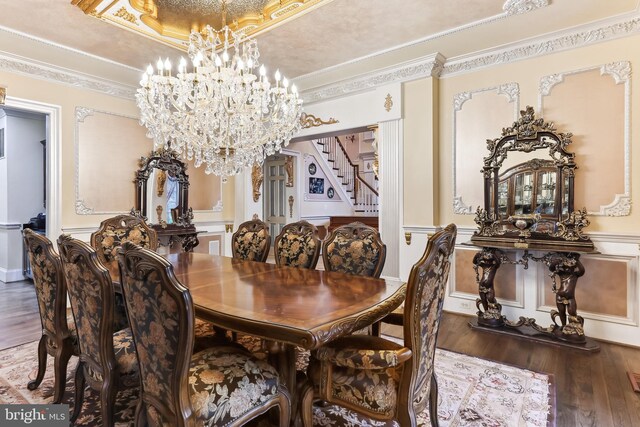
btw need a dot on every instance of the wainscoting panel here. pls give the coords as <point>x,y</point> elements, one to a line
<point>608,295</point>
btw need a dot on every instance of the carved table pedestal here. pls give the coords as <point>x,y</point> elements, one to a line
<point>564,267</point>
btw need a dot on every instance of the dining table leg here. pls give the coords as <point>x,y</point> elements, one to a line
<point>283,357</point>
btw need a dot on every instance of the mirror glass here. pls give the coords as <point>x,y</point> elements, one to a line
<point>162,189</point>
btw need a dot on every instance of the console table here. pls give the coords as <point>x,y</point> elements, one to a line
<point>172,234</point>
<point>564,267</point>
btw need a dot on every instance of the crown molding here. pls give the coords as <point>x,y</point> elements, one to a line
<point>426,66</point>
<point>55,74</point>
<point>584,35</point>
<point>36,69</point>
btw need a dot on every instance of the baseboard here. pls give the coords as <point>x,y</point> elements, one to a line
<point>7,276</point>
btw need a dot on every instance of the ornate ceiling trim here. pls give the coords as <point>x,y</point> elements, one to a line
<point>57,74</point>
<point>560,41</point>
<point>141,16</point>
<point>516,7</point>
<point>426,66</point>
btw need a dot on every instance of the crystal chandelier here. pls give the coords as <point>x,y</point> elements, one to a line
<point>222,112</point>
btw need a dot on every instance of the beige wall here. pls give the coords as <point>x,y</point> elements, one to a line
<point>68,98</point>
<point>528,73</point>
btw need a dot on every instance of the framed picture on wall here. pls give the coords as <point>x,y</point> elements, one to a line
<point>330,192</point>
<point>316,185</point>
<point>312,169</point>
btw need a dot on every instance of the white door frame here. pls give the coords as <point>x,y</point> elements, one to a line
<point>54,158</point>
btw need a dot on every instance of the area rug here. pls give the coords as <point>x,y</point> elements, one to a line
<point>472,391</point>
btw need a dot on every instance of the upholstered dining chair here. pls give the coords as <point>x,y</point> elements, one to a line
<point>368,377</point>
<point>221,386</point>
<point>356,249</point>
<point>114,231</point>
<point>59,338</point>
<point>298,245</point>
<point>107,359</point>
<point>110,235</point>
<point>251,241</point>
<point>396,317</point>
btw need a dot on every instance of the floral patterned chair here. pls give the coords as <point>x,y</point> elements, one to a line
<point>59,338</point>
<point>107,359</point>
<point>110,235</point>
<point>371,381</point>
<point>221,386</point>
<point>251,241</point>
<point>113,232</point>
<point>355,249</point>
<point>298,245</point>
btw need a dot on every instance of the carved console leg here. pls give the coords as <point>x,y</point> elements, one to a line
<point>567,268</point>
<point>491,312</point>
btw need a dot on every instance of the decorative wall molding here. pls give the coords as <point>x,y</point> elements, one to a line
<point>621,73</point>
<point>426,66</point>
<point>516,7</point>
<point>310,121</point>
<point>81,113</point>
<point>562,40</point>
<point>512,92</point>
<point>61,75</point>
<point>10,226</point>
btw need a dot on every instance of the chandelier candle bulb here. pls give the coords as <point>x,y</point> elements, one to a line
<point>225,114</point>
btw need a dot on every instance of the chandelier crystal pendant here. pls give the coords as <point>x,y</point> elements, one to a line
<point>224,112</point>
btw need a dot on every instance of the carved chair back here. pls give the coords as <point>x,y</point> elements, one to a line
<point>50,284</point>
<point>91,296</point>
<point>298,245</point>
<point>162,324</point>
<point>423,308</point>
<point>113,232</point>
<point>356,249</point>
<point>251,241</point>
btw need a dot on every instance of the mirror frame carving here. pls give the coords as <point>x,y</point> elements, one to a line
<point>168,161</point>
<point>529,134</point>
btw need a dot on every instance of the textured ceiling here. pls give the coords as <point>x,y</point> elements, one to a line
<point>334,33</point>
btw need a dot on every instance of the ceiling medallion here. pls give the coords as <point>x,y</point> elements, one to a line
<point>223,112</point>
<point>171,21</point>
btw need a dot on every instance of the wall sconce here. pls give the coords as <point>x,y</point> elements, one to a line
<point>3,94</point>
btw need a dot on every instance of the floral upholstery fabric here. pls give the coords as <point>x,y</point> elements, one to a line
<point>226,383</point>
<point>250,245</point>
<point>362,374</point>
<point>360,358</point>
<point>296,250</point>
<point>359,257</point>
<point>125,354</point>
<point>45,278</point>
<point>333,415</point>
<point>114,235</point>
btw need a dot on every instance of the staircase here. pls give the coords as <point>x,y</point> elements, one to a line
<point>364,196</point>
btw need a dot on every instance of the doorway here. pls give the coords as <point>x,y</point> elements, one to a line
<point>275,199</point>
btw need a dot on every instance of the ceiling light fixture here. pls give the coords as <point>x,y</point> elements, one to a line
<point>223,112</point>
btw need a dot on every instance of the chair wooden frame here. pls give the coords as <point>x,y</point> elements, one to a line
<point>355,231</point>
<point>105,365</point>
<point>300,228</point>
<point>137,263</point>
<point>253,226</point>
<point>59,343</point>
<point>418,384</point>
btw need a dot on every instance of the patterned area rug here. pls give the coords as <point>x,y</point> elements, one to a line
<point>472,392</point>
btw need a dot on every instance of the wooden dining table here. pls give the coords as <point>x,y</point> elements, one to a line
<point>286,306</point>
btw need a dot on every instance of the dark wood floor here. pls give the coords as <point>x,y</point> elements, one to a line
<point>591,389</point>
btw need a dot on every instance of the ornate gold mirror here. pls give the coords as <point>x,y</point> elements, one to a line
<point>162,189</point>
<point>527,198</point>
